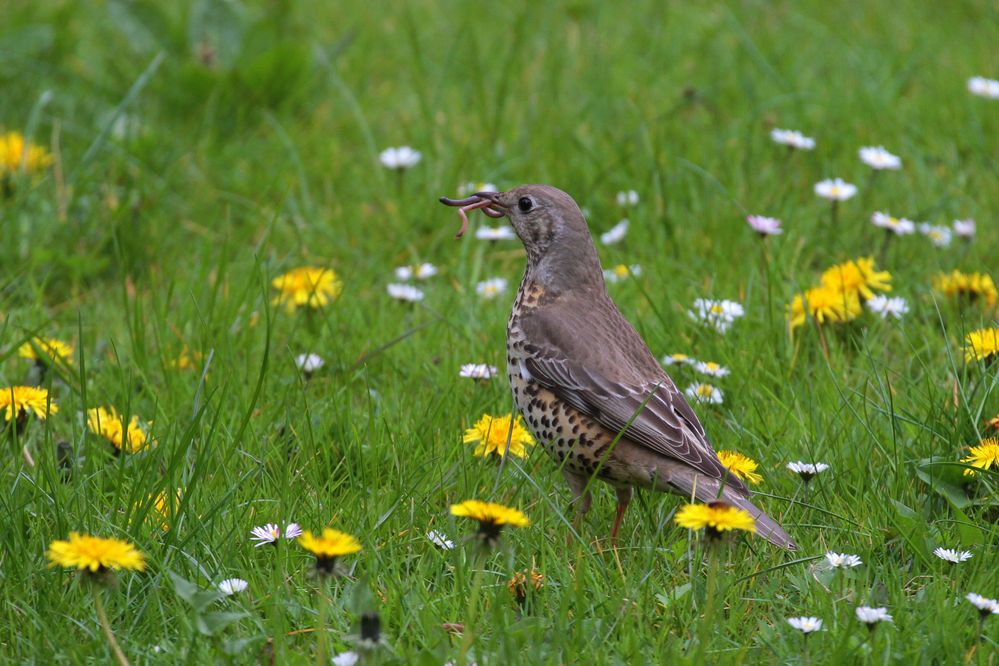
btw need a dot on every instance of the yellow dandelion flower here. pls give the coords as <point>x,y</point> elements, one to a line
<point>972,286</point>
<point>824,304</point>
<point>741,466</point>
<point>715,518</point>
<point>307,287</point>
<point>331,545</point>
<point>19,401</point>
<point>165,508</point>
<point>491,517</point>
<point>981,344</point>
<point>94,554</point>
<point>15,152</point>
<point>983,456</point>
<point>45,349</point>
<point>107,423</point>
<point>491,433</point>
<point>858,276</point>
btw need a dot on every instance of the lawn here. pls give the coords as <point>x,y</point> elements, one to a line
<point>186,155</point>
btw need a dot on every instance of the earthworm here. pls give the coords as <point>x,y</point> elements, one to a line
<point>474,202</point>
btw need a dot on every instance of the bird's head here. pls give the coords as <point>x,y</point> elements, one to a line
<point>550,225</point>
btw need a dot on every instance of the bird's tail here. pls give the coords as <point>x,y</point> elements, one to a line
<point>707,490</point>
<point>766,527</point>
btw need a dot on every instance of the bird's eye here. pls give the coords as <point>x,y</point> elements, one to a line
<point>525,204</point>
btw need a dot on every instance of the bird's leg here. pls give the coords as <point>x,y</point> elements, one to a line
<point>581,497</point>
<point>623,498</point>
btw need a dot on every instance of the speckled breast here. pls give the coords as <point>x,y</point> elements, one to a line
<point>569,437</point>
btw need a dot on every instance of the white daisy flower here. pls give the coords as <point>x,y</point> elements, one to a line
<point>419,271</point>
<point>952,554</point>
<point>705,393</point>
<point>887,307</point>
<point>897,225</point>
<point>938,235</point>
<point>627,199</point>
<point>615,234</point>
<point>309,363</point>
<point>405,292</point>
<point>477,371</point>
<point>792,138</point>
<point>878,158</point>
<point>399,158</point>
<point>489,289</point>
<point>807,470</point>
<point>620,272</point>
<point>842,560</point>
<point>231,586</point>
<point>711,368</point>
<point>495,233</point>
<point>346,659</point>
<point>677,359</point>
<point>765,226</point>
<point>984,604</point>
<point>265,534</point>
<point>718,314</point>
<point>983,87</point>
<point>965,228</point>
<point>440,540</point>
<point>292,531</point>
<point>467,188</point>
<point>805,625</point>
<point>871,616</point>
<point>835,189</point>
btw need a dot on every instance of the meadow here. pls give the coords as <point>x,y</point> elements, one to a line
<point>180,159</point>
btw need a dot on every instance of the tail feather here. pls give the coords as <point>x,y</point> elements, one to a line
<point>707,490</point>
<point>766,527</point>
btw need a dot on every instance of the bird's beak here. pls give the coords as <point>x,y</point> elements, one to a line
<point>494,202</point>
<point>487,202</point>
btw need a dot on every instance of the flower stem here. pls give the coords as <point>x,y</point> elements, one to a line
<point>834,228</point>
<point>766,277</point>
<point>106,626</point>
<point>323,648</point>
<point>884,246</point>
<point>710,592</point>
<point>473,607</point>
<point>822,341</point>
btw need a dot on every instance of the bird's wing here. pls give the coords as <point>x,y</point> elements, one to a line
<point>653,414</point>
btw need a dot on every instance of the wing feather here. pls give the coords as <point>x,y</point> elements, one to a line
<point>665,424</point>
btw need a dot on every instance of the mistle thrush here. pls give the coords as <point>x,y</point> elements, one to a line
<point>581,375</point>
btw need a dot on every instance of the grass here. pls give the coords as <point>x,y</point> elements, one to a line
<point>203,148</point>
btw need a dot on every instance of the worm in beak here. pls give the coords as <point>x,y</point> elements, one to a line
<point>479,201</point>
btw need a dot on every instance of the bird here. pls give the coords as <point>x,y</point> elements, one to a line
<point>590,391</point>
